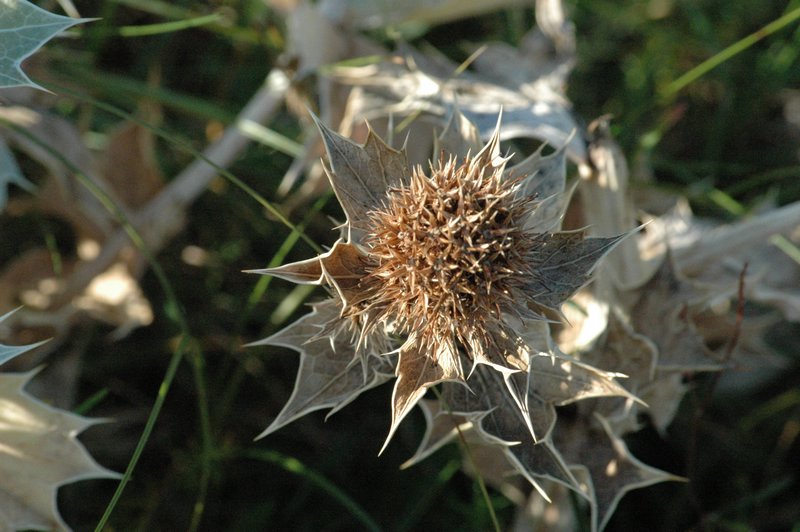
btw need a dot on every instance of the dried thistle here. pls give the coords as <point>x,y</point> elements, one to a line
<point>439,273</point>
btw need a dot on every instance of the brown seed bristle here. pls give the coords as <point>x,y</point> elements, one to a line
<point>448,249</point>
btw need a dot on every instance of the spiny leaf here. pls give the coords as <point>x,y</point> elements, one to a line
<point>634,355</point>
<point>327,376</point>
<point>608,210</point>
<point>39,452</point>
<point>545,180</point>
<point>627,352</point>
<point>342,267</point>
<point>7,352</point>
<point>609,469</point>
<point>361,174</point>
<point>561,380</point>
<point>410,83</point>
<point>441,427</point>
<point>459,136</point>
<point>416,372</point>
<point>500,421</point>
<point>10,174</point>
<point>563,263</point>
<point>24,28</point>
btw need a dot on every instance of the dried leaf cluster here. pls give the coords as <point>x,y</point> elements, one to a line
<point>417,296</point>
<point>535,319</point>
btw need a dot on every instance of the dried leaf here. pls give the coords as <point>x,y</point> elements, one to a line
<point>129,164</point>
<point>7,352</point>
<point>563,264</point>
<point>664,315</point>
<point>494,465</point>
<point>327,376</point>
<point>342,268</point>
<point>608,210</point>
<point>416,372</point>
<point>609,469</point>
<point>39,452</point>
<point>441,427</point>
<point>500,421</point>
<point>731,240</point>
<point>459,136</point>
<point>717,255</point>
<point>544,180</point>
<point>413,83</point>
<point>663,397</point>
<point>361,174</point>
<point>627,352</point>
<point>561,380</point>
<point>635,356</point>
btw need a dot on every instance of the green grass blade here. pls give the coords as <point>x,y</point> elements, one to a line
<point>167,27</point>
<point>177,315</point>
<point>270,138</point>
<point>163,389</point>
<point>125,89</point>
<point>295,466</point>
<point>175,12</point>
<point>787,246</point>
<point>671,90</point>
<point>235,380</point>
<point>88,405</point>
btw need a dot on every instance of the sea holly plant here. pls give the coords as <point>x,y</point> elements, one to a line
<point>448,275</point>
<point>24,28</point>
<point>39,452</point>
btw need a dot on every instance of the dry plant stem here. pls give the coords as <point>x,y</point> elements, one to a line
<point>732,239</point>
<point>160,219</point>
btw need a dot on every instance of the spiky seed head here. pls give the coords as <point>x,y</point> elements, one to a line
<point>448,250</point>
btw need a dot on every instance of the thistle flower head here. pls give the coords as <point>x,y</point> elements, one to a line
<point>448,254</point>
<point>449,266</point>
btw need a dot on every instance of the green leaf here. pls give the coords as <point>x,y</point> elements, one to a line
<point>10,173</point>
<point>24,28</point>
<point>7,352</point>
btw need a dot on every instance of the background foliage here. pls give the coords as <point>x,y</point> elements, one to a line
<point>729,142</point>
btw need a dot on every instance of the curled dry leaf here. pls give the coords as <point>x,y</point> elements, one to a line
<point>409,84</point>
